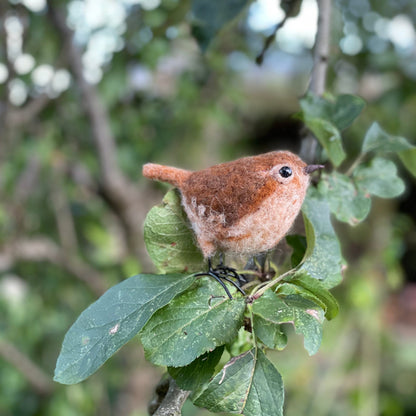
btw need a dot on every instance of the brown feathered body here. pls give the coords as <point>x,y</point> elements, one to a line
<point>242,207</point>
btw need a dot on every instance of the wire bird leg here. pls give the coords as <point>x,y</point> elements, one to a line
<point>222,272</point>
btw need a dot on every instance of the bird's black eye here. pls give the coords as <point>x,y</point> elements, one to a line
<point>285,172</point>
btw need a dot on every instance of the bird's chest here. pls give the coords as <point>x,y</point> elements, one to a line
<point>261,230</point>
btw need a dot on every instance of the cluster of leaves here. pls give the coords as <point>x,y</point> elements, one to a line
<point>185,323</point>
<point>349,193</point>
<point>188,324</point>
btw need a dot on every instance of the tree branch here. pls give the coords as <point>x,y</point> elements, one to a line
<point>319,71</point>
<point>36,377</point>
<point>170,399</point>
<point>122,195</point>
<point>291,9</point>
<point>26,182</point>
<point>269,39</point>
<point>44,249</point>
<point>5,104</point>
<point>20,116</point>
<point>62,211</point>
<point>321,52</point>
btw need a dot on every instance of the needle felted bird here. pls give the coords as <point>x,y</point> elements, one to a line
<point>244,207</point>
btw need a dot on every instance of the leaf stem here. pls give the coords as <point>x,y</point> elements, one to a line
<point>356,162</point>
<point>261,288</point>
<point>269,40</point>
<point>253,334</point>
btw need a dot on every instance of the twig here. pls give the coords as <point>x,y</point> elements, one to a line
<point>36,377</point>
<point>173,399</point>
<point>27,181</point>
<point>4,104</point>
<point>291,9</point>
<point>44,249</point>
<point>117,190</point>
<point>21,116</point>
<point>361,157</point>
<point>269,40</point>
<point>62,211</point>
<point>321,52</point>
<point>93,105</point>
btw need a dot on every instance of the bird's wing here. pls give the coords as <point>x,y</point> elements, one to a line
<point>232,189</point>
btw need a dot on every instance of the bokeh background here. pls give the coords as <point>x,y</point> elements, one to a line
<point>92,89</point>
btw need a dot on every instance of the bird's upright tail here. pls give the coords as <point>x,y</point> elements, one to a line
<point>168,174</point>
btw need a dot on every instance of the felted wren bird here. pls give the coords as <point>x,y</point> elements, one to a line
<point>242,207</point>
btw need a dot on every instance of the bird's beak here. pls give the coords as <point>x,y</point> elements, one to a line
<point>312,168</point>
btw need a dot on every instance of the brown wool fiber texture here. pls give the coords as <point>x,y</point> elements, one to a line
<point>242,207</point>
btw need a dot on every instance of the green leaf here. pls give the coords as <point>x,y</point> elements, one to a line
<point>376,139</point>
<point>346,109</point>
<point>169,238</point>
<point>329,137</point>
<point>408,157</point>
<point>288,289</point>
<point>341,112</point>
<point>192,324</point>
<point>269,333</point>
<point>194,375</point>
<point>314,106</point>
<point>345,201</point>
<point>208,17</point>
<point>323,259</point>
<point>320,295</point>
<point>111,321</point>
<point>306,316</point>
<point>248,384</point>
<point>325,118</point>
<point>379,178</point>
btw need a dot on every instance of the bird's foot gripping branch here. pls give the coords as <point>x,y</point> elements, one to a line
<point>214,346</point>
